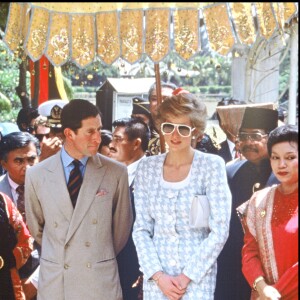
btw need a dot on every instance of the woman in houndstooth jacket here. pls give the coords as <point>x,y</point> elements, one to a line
<point>177,255</point>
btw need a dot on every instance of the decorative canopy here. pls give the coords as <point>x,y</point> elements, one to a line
<point>83,32</point>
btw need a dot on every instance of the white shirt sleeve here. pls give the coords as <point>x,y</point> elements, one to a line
<point>34,278</point>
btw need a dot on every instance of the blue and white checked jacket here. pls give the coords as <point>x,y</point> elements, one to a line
<point>162,235</point>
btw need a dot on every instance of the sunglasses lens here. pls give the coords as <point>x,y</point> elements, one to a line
<point>257,137</point>
<point>167,128</point>
<point>184,130</point>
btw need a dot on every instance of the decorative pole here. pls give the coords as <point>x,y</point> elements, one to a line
<point>159,100</point>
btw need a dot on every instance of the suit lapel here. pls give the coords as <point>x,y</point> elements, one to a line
<point>57,182</point>
<point>92,179</point>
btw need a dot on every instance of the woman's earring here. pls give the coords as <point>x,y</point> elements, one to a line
<point>193,137</point>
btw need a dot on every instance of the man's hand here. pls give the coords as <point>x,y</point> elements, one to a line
<point>29,289</point>
<point>49,147</point>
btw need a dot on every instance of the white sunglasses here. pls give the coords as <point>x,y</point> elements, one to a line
<point>183,130</point>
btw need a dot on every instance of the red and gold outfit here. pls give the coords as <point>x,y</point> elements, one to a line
<point>271,241</point>
<point>15,248</point>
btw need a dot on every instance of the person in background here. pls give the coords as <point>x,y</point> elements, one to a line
<point>26,118</point>
<point>166,91</point>
<point>244,177</point>
<point>228,149</point>
<point>141,109</point>
<point>82,217</point>
<point>177,254</point>
<point>270,220</point>
<point>15,248</point>
<point>18,152</point>
<point>129,145</point>
<point>52,143</point>
<point>106,138</point>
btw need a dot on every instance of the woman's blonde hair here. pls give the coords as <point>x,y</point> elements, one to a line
<point>186,104</point>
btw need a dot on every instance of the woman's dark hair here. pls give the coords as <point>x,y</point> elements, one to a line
<point>285,133</point>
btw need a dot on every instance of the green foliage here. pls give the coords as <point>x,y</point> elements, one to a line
<point>4,7</point>
<point>9,78</point>
<point>4,103</point>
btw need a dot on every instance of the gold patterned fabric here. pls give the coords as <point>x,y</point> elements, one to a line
<point>266,19</point>
<point>36,42</point>
<point>289,10</point>
<point>17,25</point>
<point>82,32</point>
<point>58,42</point>
<point>186,32</point>
<point>131,34</point>
<point>83,39</point>
<point>108,47</point>
<point>243,20</point>
<point>157,33</point>
<point>218,28</point>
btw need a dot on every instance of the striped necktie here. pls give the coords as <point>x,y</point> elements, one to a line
<point>75,182</point>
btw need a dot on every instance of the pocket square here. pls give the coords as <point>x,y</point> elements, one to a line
<point>102,192</point>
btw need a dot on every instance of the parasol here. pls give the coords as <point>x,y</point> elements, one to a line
<point>85,32</point>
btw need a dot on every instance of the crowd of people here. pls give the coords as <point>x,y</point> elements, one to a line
<point>152,209</point>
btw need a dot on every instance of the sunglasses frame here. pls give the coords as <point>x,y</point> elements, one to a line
<point>249,136</point>
<point>177,127</point>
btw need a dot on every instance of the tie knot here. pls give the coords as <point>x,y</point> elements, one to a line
<point>20,189</point>
<point>76,163</point>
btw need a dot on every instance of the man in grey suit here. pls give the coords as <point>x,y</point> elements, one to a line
<point>81,238</point>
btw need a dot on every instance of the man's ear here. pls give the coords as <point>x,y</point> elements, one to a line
<point>137,143</point>
<point>69,133</point>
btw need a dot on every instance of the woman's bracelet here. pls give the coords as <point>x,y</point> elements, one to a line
<point>256,281</point>
<point>156,279</point>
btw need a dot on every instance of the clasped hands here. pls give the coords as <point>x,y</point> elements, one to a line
<point>173,287</point>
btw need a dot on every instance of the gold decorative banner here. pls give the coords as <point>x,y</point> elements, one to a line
<point>36,42</point>
<point>266,19</point>
<point>279,14</point>
<point>67,31</point>
<point>131,34</point>
<point>108,47</point>
<point>243,20</point>
<point>17,25</point>
<point>289,10</point>
<point>95,7</point>
<point>58,50</point>
<point>186,32</point>
<point>218,28</point>
<point>83,39</point>
<point>157,33</point>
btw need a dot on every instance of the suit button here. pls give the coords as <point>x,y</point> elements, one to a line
<point>94,221</point>
<point>66,266</point>
<point>88,265</point>
<point>87,244</point>
<point>55,224</point>
<point>67,246</point>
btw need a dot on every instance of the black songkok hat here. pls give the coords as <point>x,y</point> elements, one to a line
<point>260,118</point>
<point>140,106</point>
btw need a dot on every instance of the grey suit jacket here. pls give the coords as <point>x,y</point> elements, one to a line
<point>5,186</point>
<point>79,246</point>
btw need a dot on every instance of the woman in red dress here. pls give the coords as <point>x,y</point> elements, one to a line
<point>270,252</point>
<point>15,248</point>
